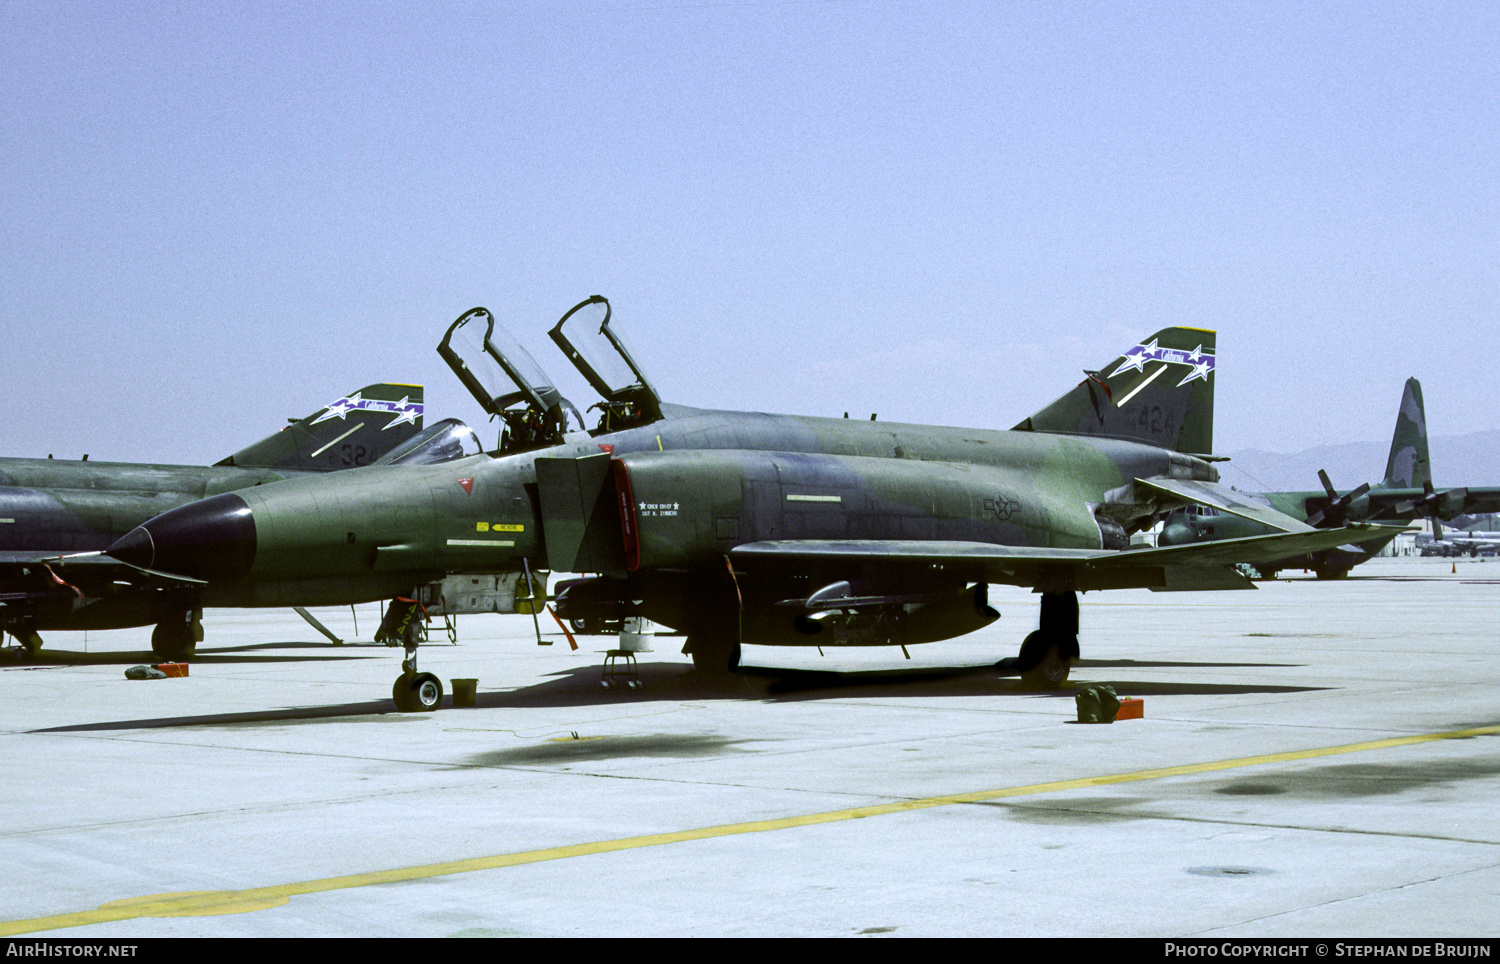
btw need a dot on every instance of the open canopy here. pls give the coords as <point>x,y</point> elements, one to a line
<point>600,355</point>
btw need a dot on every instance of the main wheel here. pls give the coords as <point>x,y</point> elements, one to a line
<point>30,641</point>
<point>1042,661</point>
<point>710,655</point>
<point>172,640</point>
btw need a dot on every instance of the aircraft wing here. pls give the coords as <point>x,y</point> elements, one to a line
<point>1480,500</point>
<point>1224,499</point>
<point>1448,503</point>
<point>1207,565</point>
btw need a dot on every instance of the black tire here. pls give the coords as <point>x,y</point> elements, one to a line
<point>31,642</point>
<point>421,693</point>
<point>1331,573</point>
<point>401,693</point>
<point>1042,662</point>
<point>172,641</point>
<point>714,657</point>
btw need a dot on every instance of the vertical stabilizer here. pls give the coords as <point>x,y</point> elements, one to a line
<point>1160,392</point>
<point>351,431</point>
<point>1409,466</point>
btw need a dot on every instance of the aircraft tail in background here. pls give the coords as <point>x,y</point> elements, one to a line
<point>351,431</point>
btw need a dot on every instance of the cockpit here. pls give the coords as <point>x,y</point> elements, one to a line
<point>509,384</point>
<point>446,441</point>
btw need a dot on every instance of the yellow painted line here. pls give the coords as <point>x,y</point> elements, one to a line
<point>204,903</point>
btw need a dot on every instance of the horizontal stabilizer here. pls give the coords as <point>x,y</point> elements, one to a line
<point>1224,499</point>
<point>1253,549</point>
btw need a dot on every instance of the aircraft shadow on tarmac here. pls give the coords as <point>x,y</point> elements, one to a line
<point>217,655</point>
<point>676,681</point>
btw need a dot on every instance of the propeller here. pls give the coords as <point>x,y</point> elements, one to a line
<point>1435,505</point>
<point>1336,512</point>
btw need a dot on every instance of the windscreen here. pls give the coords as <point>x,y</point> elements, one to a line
<point>447,441</point>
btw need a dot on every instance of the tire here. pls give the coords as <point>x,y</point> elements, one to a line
<point>1043,663</point>
<point>714,657</point>
<point>172,641</point>
<point>428,690</point>
<point>422,693</point>
<point>31,642</point>
<point>402,694</point>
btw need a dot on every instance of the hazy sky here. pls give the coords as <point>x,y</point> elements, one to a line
<point>215,216</point>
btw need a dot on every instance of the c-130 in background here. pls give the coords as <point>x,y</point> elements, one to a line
<point>745,527</point>
<point>1405,493</point>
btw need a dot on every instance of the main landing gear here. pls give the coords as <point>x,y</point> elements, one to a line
<point>1049,653</point>
<point>176,638</point>
<point>29,639</point>
<point>714,654</point>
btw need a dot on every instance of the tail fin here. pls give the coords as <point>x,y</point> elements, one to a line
<point>1409,466</point>
<point>1160,392</point>
<point>354,430</point>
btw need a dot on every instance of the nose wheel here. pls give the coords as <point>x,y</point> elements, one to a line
<point>417,692</point>
<point>414,692</point>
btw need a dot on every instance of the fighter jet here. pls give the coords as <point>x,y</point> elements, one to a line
<point>1405,493</point>
<point>54,511</point>
<point>747,527</point>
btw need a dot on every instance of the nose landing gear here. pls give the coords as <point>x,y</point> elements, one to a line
<point>413,692</point>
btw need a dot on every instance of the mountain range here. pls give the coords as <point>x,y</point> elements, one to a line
<point>1472,459</point>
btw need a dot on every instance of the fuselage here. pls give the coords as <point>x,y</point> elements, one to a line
<point>58,506</point>
<point>685,490</point>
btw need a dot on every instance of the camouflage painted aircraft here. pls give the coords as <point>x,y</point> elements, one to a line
<point>50,508</point>
<point>1404,494</point>
<point>745,527</point>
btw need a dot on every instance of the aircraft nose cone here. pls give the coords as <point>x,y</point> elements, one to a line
<point>1176,534</point>
<point>211,540</point>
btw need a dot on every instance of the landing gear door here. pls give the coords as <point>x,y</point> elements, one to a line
<point>506,381</point>
<point>600,355</point>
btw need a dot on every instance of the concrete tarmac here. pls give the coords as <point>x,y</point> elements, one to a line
<point>1316,759</point>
